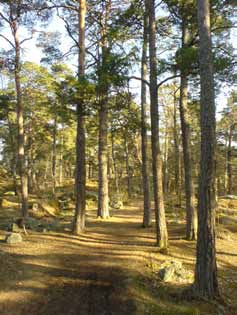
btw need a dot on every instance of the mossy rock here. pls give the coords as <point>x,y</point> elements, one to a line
<point>13,238</point>
<point>174,271</point>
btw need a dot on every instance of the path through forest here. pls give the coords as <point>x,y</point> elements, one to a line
<point>107,270</point>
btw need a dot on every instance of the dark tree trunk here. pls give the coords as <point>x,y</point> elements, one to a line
<point>191,212</point>
<point>161,228</point>
<point>80,173</point>
<point>20,124</point>
<point>206,283</point>
<point>144,123</point>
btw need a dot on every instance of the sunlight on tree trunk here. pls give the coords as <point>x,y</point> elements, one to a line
<point>206,284</point>
<point>161,228</point>
<point>80,177</point>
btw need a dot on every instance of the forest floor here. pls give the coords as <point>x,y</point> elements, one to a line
<point>110,269</point>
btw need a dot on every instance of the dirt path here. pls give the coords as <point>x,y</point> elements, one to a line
<point>104,271</point>
<point>56,273</point>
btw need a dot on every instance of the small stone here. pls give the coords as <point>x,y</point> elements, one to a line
<point>13,238</point>
<point>35,207</point>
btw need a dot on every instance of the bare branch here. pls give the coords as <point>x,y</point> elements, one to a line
<point>167,79</point>
<point>67,26</point>
<point>139,79</point>
<point>9,42</point>
<point>4,18</point>
<point>26,39</point>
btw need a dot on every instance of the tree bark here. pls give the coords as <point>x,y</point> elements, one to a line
<point>103,197</point>
<point>80,173</point>
<point>129,184</point>
<point>229,161</point>
<point>176,154</point>
<point>161,228</point>
<point>144,122</point>
<point>13,164</point>
<point>115,166</point>
<point>191,212</point>
<point>54,152</point>
<point>20,123</point>
<point>103,200</point>
<point>206,283</point>
<point>61,161</point>
<point>165,161</point>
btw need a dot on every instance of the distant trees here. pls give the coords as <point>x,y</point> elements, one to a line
<point>14,15</point>
<point>87,124</point>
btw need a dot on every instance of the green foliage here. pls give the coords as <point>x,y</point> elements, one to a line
<point>187,58</point>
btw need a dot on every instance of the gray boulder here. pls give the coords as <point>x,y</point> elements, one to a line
<point>13,238</point>
<point>170,271</point>
<point>116,204</point>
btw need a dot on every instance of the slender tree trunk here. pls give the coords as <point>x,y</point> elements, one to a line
<point>226,166</point>
<point>47,167</point>
<point>13,159</point>
<point>144,123</point>
<point>30,174</point>
<point>229,162</point>
<point>165,161</point>
<point>206,283</point>
<point>129,184</point>
<point>103,200</point>
<point>191,212</point>
<point>115,167</point>
<point>20,124</point>
<point>54,153</point>
<point>176,154</point>
<point>14,174</point>
<point>161,228</point>
<point>61,163</point>
<point>80,173</point>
